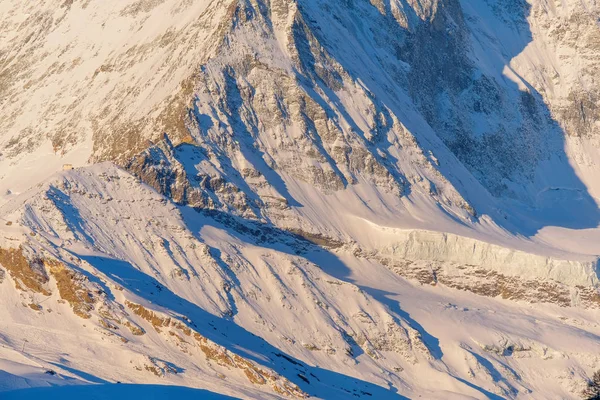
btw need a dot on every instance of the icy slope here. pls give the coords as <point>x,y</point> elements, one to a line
<point>126,286</point>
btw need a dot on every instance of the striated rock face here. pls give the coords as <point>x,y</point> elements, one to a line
<point>402,95</point>
<point>285,94</point>
<point>291,95</point>
<point>72,288</point>
<point>498,130</point>
<point>278,102</point>
<point>490,283</point>
<point>213,353</point>
<point>170,171</point>
<point>27,275</point>
<point>444,247</point>
<point>567,80</point>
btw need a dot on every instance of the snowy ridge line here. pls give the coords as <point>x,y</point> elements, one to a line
<point>424,245</point>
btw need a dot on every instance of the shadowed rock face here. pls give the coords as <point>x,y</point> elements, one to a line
<point>293,91</point>
<point>495,129</point>
<point>327,93</point>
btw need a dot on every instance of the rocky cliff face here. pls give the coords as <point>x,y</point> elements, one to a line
<point>327,92</point>
<point>293,89</point>
<point>569,34</point>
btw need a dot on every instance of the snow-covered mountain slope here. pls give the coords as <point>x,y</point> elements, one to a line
<point>467,99</point>
<point>279,198</point>
<point>109,281</point>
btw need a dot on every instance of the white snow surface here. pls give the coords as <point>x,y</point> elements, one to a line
<point>102,221</point>
<point>331,318</point>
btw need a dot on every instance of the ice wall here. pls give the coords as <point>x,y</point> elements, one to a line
<point>445,247</point>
